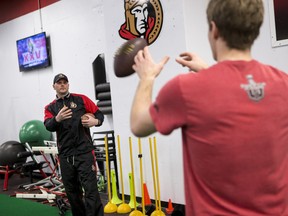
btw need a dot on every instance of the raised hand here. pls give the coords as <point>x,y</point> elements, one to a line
<point>192,61</point>
<point>64,113</point>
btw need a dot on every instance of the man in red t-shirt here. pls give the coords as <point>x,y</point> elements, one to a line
<point>233,117</point>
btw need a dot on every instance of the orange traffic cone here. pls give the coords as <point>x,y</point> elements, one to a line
<point>149,207</point>
<point>170,208</point>
<point>147,200</point>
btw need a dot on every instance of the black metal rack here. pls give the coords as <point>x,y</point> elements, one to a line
<point>100,153</point>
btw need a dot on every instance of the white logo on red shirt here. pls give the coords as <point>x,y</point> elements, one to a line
<point>254,90</point>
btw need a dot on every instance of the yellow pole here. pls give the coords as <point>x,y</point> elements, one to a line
<point>120,163</point>
<point>132,170</point>
<point>141,174</point>
<point>157,176</point>
<point>107,169</point>
<point>124,207</point>
<point>109,207</point>
<point>158,211</point>
<point>153,173</point>
<point>135,212</point>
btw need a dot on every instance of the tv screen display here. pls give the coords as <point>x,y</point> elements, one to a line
<point>33,52</point>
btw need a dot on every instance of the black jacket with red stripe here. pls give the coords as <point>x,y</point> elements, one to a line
<point>72,137</point>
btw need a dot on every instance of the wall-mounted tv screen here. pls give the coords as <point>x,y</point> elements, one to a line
<point>33,52</point>
<point>278,22</point>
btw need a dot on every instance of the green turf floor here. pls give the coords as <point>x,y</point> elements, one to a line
<point>12,206</point>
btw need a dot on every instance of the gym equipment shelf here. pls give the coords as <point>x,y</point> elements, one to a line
<point>99,144</point>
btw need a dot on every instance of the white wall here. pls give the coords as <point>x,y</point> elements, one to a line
<point>81,29</point>
<point>263,50</point>
<point>76,31</point>
<point>196,29</point>
<point>170,42</point>
<point>197,38</point>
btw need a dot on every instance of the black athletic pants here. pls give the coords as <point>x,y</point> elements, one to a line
<point>79,173</point>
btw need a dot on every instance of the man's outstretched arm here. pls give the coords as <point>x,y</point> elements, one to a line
<point>140,120</point>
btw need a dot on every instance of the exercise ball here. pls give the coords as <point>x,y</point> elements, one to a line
<point>34,133</point>
<point>9,151</point>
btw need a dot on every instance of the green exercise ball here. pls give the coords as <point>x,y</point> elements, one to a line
<point>34,133</point>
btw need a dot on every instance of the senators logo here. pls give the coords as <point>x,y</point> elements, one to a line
<point>143,19</point>
<point>73,105</point>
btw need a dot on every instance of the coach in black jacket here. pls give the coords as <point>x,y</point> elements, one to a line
<point>75,146</point>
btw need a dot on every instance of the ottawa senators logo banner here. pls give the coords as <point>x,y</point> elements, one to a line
<point>143,19</point>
